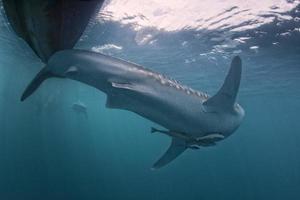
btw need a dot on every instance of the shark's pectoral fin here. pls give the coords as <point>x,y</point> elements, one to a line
<point>226,96</point>
<point>176,148</point>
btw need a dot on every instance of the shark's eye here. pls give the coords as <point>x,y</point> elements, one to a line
<point>71,71</point>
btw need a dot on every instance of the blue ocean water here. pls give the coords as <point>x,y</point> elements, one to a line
<point>50,151</point>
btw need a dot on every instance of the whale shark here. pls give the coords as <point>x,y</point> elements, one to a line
<point>192,118</point>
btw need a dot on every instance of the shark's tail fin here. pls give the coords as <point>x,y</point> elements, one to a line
<point>226,96</point>
<point>36,82</point>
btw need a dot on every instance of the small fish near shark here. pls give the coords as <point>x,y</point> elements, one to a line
<point>80,108</point>
<point>192,142</point>
<point>192,118</point>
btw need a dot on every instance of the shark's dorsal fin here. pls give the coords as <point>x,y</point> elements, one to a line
<point>176,148</point>
<point>226,96</point>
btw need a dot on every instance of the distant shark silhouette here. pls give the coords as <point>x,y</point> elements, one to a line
<point>193,119</point>
<point>50,25</point>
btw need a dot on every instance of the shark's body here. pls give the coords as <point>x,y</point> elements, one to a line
<point>180,109</point>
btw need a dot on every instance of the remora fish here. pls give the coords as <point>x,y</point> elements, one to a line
<point>192,117</point>
<point>50,25</point>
